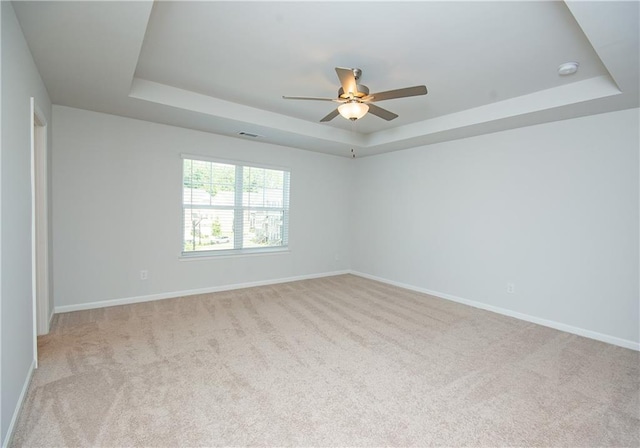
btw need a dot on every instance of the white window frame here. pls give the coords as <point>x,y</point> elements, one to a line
<point>239,209</point>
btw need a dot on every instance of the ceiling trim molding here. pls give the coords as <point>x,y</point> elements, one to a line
<point>185,99</point>
<point>579,92</point>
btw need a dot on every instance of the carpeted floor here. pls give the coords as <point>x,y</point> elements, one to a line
<point>337,361</point>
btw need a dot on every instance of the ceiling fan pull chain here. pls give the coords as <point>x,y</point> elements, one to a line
<point>353,133</point>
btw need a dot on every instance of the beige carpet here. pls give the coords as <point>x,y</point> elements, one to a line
<point>338,361</point>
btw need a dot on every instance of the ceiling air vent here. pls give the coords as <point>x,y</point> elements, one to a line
<point>248,134</point>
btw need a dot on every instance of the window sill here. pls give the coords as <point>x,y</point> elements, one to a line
<point>232,254</point>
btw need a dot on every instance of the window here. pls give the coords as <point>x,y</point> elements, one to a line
<point>230,208</point>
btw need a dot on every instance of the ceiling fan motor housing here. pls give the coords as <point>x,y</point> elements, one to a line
<point>362,91</point>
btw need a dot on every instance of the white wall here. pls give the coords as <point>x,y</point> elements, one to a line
<point>117,189</point>
<point>551,208</point>
<point>20,81</point>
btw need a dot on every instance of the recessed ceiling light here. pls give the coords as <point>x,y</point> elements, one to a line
<point>568,68</point>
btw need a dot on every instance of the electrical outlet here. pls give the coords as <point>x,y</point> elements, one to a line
<point>511,288</point>
<point>144,274</point>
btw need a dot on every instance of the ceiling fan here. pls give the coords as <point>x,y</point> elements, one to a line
<point>355,99</point>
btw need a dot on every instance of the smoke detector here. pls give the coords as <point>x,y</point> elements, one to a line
<point>568,68</point>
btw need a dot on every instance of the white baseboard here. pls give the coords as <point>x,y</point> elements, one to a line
<point>506,312</point>
<point>16,413</point>
<point>190,292</point>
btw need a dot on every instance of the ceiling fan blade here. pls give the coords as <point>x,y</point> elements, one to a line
<point>313,98</point>
<point>347,80</point>
<point>398,93</point>
<point>382,113</point>
<point>333,114</point>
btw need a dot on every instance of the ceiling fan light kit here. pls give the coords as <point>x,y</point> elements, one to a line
<point>353,110</point>
<point>355,99</point>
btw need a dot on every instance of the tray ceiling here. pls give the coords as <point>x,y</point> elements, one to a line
<point>223,66</point>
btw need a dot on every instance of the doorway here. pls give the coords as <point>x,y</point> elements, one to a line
<point>39,224</point>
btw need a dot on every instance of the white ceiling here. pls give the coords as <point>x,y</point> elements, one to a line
<point>223,66</point>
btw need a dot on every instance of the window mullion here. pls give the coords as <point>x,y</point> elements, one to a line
<point>238,215</point>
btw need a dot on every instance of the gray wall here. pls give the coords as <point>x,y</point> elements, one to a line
<point>551,208</point>
<point>20,81</point>
<point>117,186</point>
